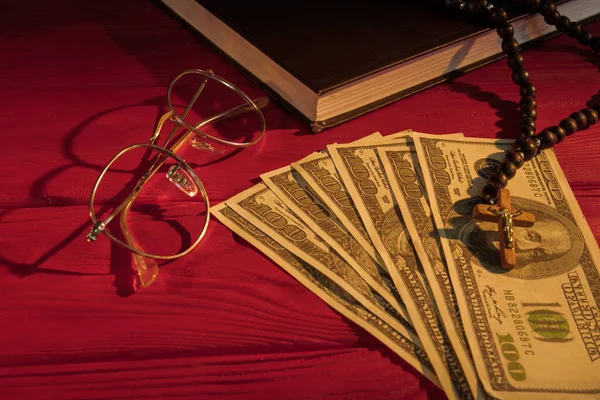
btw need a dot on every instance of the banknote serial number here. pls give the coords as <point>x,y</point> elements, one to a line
<point>509,344</point>
<point>533,181</point>
<point>516,316</point>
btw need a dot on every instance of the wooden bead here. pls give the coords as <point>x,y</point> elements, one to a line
<point>585,38</point>
<point>552,19</point>
<point>516,158</point>
<point>547,139</point>
<point>547,9</point>
<point>471,7</point>
<point>515,61</point>
<point>529,114</point>
<point>509,169</point>
<point>533,5</point>
<point>527,121</point>
<point>528,90</point>
<point>475,6</point>
<point>499,178</point>
<point>591,115</point>
<point>574,30</point>
<point>528,102</point>
<point>559,132</point>
<point>527,146</point>
<point>510,46</point>
<point>569,125</point>
<point>563,24</point>
<point>489,191</point>
<point>527,131</point>
<point>499,16</point>
<point>451,3</point>
<point>520,77</point>
<point>580,118</point>
<point>529,107</point>
<point>505,31</point>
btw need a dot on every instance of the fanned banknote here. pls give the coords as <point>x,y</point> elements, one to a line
<point>320,174</point>
<point>330,292</point>
<point>297,195</point>
<point>534,331</point>
<point>406,182</point>
<point>361,171</point>
<point>261,207</point>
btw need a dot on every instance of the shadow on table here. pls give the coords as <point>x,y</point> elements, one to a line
<point>38,189</point>
<point>587,55</point>
<point>164,68</point>
<point>121,25</point>
<point>121,260</point>
<point>507,110</point>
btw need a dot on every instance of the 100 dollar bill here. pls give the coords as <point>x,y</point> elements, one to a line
<point>361,171</point>
<point>406,182</point>
<point>334,295</point>
<point>534,332</point>
<point>300,198</point>
<point>261,207</point>
<point>319,172</point>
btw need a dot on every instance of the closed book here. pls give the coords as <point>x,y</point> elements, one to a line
<point>330,61</point>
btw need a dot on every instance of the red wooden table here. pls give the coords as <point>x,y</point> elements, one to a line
<point>81,80</point>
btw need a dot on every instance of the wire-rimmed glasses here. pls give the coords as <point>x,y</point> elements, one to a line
<point>155,185</point>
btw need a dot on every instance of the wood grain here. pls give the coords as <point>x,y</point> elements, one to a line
<point>272,376</point>
<point>78,82</point>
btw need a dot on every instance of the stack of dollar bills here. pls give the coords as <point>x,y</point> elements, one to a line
<point>381,229</point>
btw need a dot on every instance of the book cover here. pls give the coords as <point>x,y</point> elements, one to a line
<point>317,58</point>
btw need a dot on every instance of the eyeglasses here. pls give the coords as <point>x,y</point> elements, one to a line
<point>159,184</point>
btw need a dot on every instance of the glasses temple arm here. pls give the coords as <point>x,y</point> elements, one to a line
<point>146,267</point>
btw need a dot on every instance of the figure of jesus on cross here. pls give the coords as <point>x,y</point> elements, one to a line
<point>507,219</point>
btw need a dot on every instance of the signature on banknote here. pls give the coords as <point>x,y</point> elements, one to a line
<point>491,303</point>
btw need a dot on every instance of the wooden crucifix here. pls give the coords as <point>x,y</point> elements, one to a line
<point>503,214</point>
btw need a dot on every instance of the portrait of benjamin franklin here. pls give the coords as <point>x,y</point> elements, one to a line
<point>550,247</point>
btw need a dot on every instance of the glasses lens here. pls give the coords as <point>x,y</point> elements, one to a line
<point>198,98</point>
<point>162,208</point>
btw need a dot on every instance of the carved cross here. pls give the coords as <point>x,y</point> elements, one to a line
<point>507,219</point>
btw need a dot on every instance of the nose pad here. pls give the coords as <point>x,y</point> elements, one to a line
<point>199,142</point>
<point>182,179</point>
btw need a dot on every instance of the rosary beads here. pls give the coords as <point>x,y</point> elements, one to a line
<point>529,144</point>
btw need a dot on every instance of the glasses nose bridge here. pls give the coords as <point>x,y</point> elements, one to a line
<point>178,122</point>
<point>198,141</point>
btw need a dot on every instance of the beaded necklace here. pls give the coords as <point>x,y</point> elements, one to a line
<point>529,144</point>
